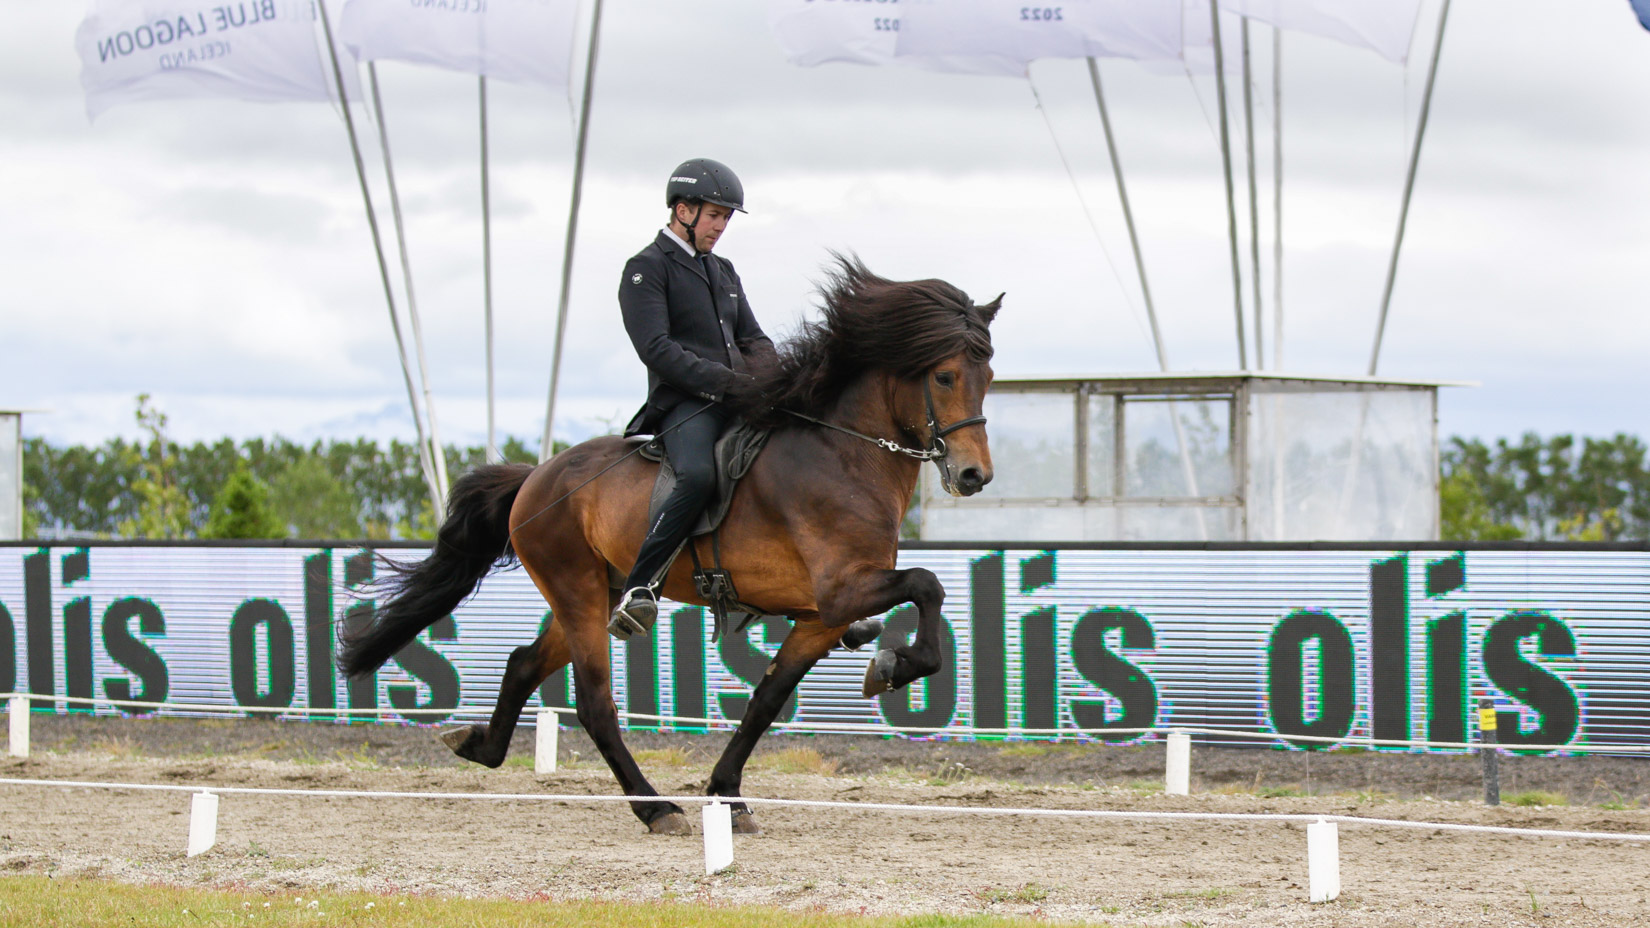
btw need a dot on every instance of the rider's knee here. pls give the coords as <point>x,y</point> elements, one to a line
<point>696,481</point>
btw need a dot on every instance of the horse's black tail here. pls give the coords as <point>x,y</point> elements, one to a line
<point>474,539</point>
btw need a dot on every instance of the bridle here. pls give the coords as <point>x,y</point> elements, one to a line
<point>936,450</point>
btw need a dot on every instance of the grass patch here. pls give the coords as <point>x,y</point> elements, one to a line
<point>1279,792</point>
<point>1027,749</point>
<point>1029,894</point>
<point>663,757</point>
<point>1371,795</point>
<point>1536,797</point>
<point>953,772</point>
<point>524,761</point>
<point>1212,894</point>
<point>37,900</point>
<point>120,746</point>
<point>1146,786</point>
<point>795,760</point>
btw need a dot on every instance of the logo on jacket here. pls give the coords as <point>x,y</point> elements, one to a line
<point>635,278</point>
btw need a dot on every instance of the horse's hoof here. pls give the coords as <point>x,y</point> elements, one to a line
<point>744,823</point>
<point>455,738</point>
<point>861,633</point>
<point>878,672</point>
<point>671,823</point>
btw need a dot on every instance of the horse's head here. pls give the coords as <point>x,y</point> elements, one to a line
<point>950,401</point>
<point>943,409</point>
<point>924,339</point>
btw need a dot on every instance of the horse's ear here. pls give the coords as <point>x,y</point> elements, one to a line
<point>989,310</point>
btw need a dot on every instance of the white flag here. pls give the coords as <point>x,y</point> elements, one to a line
<point>1383,25</point>
<point>261,50</point>
<point>1144,30</point>
<point>814,32</point>
<point>528,41</point>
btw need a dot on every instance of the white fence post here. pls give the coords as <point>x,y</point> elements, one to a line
<point>718,822</point>
<point>1177,768</point>
<point>203,823</point>
<point>544,756</point>
<point>1323,861</point>
<point>19,708</point>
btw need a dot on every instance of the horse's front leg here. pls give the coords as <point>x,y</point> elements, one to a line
<point>807,642</point>
<point>853,594</point>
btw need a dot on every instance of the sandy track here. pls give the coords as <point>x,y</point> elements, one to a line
<point>1117,872</point>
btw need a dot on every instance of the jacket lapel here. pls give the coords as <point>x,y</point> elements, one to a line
<point>674,250</point>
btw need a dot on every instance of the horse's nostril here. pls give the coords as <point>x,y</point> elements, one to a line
<point>971,477</point>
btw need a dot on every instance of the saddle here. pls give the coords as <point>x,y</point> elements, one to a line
<point>735,452</point>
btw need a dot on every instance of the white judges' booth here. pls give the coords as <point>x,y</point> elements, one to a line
<point>1252,456</point>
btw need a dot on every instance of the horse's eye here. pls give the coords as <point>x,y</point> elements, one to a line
<point>945,378</point>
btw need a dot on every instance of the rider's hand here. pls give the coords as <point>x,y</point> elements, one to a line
<point>743,392</point>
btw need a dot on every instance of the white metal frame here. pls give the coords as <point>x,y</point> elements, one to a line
<point>1236,388</point>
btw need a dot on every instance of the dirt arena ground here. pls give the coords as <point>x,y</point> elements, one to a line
<point>1122,873</point>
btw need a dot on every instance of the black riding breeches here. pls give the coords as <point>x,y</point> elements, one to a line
<point>691,446</point>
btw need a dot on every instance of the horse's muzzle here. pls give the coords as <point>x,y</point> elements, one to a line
<point>971,480</point>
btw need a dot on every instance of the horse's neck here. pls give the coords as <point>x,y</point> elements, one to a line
<point>867,407</point>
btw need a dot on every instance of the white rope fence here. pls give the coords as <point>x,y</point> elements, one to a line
<point>1323,843</point>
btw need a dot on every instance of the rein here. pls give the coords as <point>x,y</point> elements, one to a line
<point>936,450</point>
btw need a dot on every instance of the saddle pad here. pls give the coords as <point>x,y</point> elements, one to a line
<point>735,451</point>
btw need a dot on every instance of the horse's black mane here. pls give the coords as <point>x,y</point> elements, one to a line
<point>869,323</point>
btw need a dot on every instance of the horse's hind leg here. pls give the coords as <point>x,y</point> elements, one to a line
<point>527,668</point>
<point>809,641</point>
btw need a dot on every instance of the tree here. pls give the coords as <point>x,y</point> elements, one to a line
<point>242,510</point>
<point>163,509</point>
<point>1465,513</point>
<point>313,503</point>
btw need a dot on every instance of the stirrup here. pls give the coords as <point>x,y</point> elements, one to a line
<point>635,614</point>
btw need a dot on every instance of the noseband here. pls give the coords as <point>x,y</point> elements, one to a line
<point>936,450</point>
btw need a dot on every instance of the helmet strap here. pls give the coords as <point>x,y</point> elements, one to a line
<point>690,226</point>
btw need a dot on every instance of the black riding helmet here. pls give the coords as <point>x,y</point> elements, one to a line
<point>707,180</point>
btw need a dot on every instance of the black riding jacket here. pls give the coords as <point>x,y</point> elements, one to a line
<point>692,330</point>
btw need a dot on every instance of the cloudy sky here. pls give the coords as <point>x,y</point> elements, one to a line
<point>216,254</point>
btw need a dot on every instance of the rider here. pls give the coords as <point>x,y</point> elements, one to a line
<point>687,315</point>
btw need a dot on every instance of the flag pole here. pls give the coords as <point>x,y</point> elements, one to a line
<point>1254,197</point>
<point>487,279</point>
<point>437,454</point>
<point>436,496</point>
<point>1277,278</point>
<point>1145,289</point>
<point>1231,202</point>
<point>1128,215</point>
<point>547,446</point>
<point>1277,198</point>
<point>1409,188</point>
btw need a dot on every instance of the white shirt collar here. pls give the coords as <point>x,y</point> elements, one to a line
<point>692,252</point>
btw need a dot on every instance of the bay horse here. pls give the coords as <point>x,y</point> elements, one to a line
<point>891,375</point>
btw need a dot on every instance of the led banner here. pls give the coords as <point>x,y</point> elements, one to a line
<point>1340,644</point>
